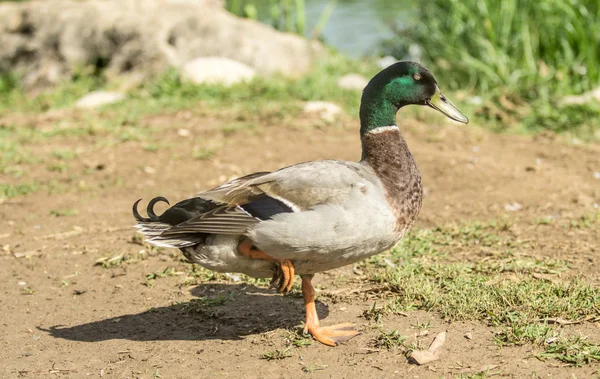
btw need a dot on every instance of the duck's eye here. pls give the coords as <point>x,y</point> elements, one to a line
<point>417,76</point>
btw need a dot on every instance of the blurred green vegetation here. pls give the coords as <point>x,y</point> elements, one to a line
<point>284,15</point>
<point>169,91</point>
<point>506,64</point>
<point>530,53</point>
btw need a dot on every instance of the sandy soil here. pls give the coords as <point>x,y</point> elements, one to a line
<point>84,320</point>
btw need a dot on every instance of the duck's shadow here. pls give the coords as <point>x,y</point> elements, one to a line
<point>221,312</point>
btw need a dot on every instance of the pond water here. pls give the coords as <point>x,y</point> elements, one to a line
<point>357,26</point>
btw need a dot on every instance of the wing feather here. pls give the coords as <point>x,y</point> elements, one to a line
<point>250,199</point>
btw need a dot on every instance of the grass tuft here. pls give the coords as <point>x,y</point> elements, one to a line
<point>389,340</point>
<point>277,354</point>
<point>574,350</point>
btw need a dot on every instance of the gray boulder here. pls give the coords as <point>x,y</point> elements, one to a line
<point>217,70</point>
<point>99,98</point>
<point>46,41</point>
<point>353,82</point>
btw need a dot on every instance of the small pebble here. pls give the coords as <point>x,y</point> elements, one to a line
<point>149,170</point>
<point>513,207</point>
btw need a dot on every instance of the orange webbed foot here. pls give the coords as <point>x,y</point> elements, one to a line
<point>328,335</point>
<point>332,335</point>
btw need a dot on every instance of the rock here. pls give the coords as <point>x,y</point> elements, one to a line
<point>99,98</point>
<point>584,98</point>
<point>47,41</point>
<point>217,70</point>
<point>353,81</point>
<point>475,100</point>
<point>183,132</point>
<point>513,207</point>
<point>414,53</point>
<point>386,61</point>
<point>327,111</point>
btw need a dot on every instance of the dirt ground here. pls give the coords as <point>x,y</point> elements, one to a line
<point>64,316</point>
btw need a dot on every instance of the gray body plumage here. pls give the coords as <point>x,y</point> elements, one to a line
<point>339,216</point>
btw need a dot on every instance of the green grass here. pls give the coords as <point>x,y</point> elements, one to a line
<point>150,279</point>
<point>501,290</point>
<point>521,56</point>
<point>297,338</point>
<point>64,154</point>
<point>574,350</point>
<point>389,340</point>
<point>64,212</point>
<point>120,259</point>
<point>277,354</point>
<point>13,97</point>
<point>515,44</point>
<point>8,191</point>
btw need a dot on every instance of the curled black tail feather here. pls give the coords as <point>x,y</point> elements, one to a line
<point>151,204</point>
<point>137,215</point>
<point>152,217</point>
<point>153,226</point>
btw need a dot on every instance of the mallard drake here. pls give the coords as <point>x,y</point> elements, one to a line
<point>313,216</point>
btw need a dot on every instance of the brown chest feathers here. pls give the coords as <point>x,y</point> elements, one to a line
<point>388,154</point>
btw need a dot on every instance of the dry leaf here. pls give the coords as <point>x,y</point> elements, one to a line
<point>438,342</point>
<point>422,357</point>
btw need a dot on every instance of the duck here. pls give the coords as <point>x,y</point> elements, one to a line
<point>314,216</point>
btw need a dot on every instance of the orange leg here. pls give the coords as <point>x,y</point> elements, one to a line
<point>287,268</point>
<point>330,335</point>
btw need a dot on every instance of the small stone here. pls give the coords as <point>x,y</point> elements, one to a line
<point>386,61</point>
<point>217,70</point>
<point>149,170</point>
<point>513,207</point>
<point>596,174</point>
<point>585,98</point>
<point>183,132</point>
<point>327,111</point>
<point>99,98</point>
<point>233,277</point>
<point>475,100</point>
<point>353,82</point>
<point>468,335</point>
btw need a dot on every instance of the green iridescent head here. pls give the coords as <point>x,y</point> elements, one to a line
<point>401,84</point>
